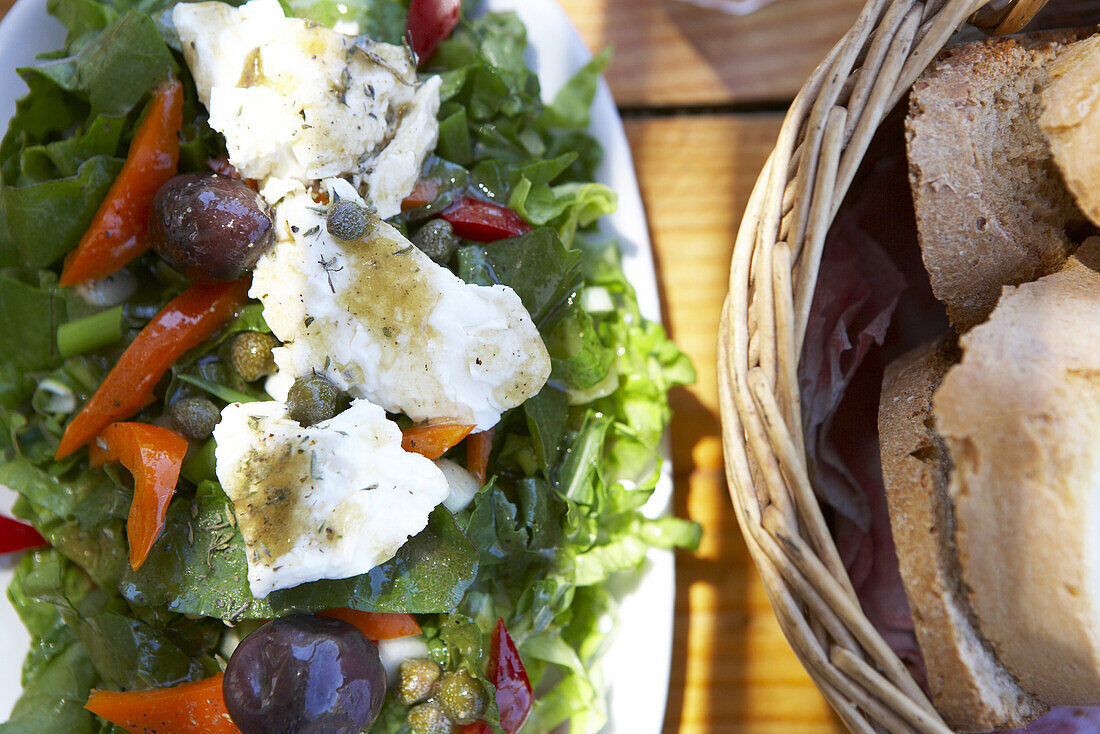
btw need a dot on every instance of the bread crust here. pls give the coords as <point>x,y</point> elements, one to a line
<point>1020,415</point>
<point>1071,122</point>
<point>968,686</point>
<point>991,207</point>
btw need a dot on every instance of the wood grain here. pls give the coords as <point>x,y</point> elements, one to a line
<point>669,52</point>
<point>732,668</point>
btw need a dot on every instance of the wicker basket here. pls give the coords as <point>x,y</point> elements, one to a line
<point>775,266</point>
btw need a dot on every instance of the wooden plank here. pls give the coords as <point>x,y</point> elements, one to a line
<point>732,668</point>
<point>669,52</point>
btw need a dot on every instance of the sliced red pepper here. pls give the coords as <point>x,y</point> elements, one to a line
<point>423,193</point>
<point>376,625</point>
<point>478,727</point>
<point>189,708</point>
<point>478,447</point>
<point>154,456</point>
<point>184,323</point>
<point>435,439</point>
<point>429,23</point>
<point>17,536</point>
<point>119,230</point>
<point>483,221</point>
<point>507,674</point>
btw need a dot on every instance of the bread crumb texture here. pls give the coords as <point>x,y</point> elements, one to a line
<point>991,206</point>
<point>1071,122</point>
<point>969,688</point>
<point>1020,416</point>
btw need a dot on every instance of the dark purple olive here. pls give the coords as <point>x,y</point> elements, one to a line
<point>304,675</point>
<point>210,227</point>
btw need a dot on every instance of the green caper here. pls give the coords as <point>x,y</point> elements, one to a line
<point>417,677</point>
<point>250,354</point>
<point>461,697</point>
<point>427,718</point>
<point>312,399</point>
<point>437,240</point>
<point>349,220</point>
<point>195,417</point>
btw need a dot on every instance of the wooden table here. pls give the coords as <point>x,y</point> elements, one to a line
<point>702,94</point>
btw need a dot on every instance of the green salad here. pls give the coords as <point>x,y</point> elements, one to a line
<point>561,476</point>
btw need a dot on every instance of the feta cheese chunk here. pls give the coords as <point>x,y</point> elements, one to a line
<point>326,502</point>
<point>297,100</point>
<point>463,485</point>
<point>385,323</point>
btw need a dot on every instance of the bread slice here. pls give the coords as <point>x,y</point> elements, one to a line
<point>969,687</point>
<point>1020,415</point>
<point>1071,122</point>
<point>991,207</point>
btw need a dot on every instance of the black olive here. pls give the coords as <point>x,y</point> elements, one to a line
<point>304,675</point>
<point>195,417</point>
<point>437,240</point>
<point>210,227</point>
<point>348,220</point>
<point>250,354</point>
<point>312,399</point>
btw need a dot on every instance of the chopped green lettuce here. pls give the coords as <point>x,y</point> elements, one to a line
<point>198,566</point>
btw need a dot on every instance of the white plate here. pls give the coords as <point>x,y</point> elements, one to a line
<point>636,664</point>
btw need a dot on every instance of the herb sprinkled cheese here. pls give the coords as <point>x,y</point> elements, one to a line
<point>383,322</point>
<point>325,502</point>
<point>297,100</point>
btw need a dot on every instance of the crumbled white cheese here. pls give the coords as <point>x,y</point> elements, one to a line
<point>297,100</point>
<point>329,501</point>
<point>385,323</point>
<point>463,485</point>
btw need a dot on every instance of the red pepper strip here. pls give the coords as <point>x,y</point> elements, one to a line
<point>435,439</point>
<point>154,456</point>
<point>376,625</point>
<point>17,536</point>
<point>483,221</point>
<point>189,708</point>
<point>119,230</point>
<point>184,323</point>
<point>478,446</point>
<point>423,193</point>
<point>429,23</point>
<point>478,727</point>
<point>506,672</point>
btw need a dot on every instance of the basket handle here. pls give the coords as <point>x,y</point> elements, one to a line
<point>1001,17</point>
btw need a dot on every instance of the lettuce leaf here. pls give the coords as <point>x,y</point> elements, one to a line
<point>85,637</point>
<point>198,567</point>
<point>536,265</point>
<point>113,72</point>
<point>562,513</point>
<point>383,20</point>
<point>61,688</point>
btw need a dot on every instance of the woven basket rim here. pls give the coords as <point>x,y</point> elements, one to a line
<point>776,257</point>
